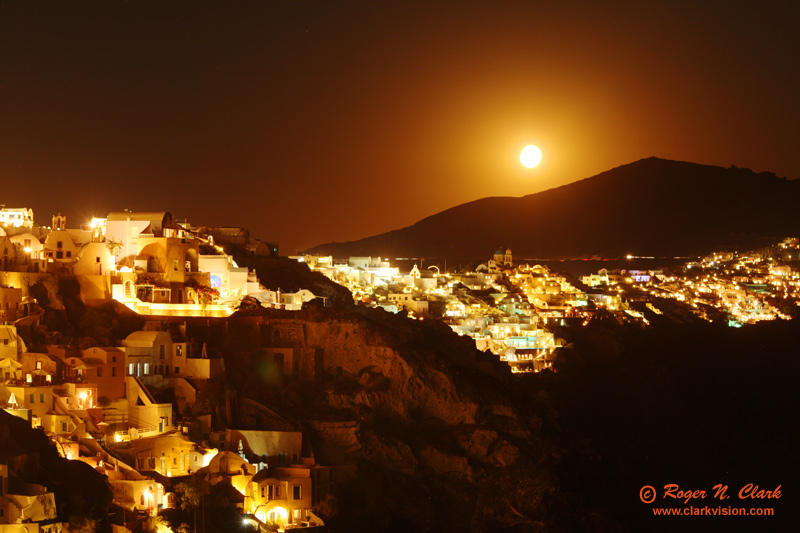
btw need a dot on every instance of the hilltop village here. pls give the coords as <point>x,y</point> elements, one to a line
<point>96,353</point>
<point>144,260</point>
<point>136,346</point>
<point>515,311</point>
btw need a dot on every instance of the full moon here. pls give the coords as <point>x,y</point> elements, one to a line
<point>530,156</point>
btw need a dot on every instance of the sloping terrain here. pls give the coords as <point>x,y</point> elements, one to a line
<point>652,207</point>
<point>444,438</point>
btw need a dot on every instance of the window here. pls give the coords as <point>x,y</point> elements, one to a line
<point>99,372</point>
<point>177,370</point>
<point>175,265</point>
<point>174,461</point>
<point>271,492</point>
<point>130,369</point>
<point>146,369</point>
<point>179,350</point>
<point>97,259</point>
<point>113,371</point>
<point>113,358</point>
<point>38,365</point>
<point>64,427</point>
<point>262,491</point>
<point>69,254</point>
<point>33,398</point>
<point>161,351</point>
<point>41,397</point>
<point>59,255</point>
<point>296,492</point>
<point>59,244</point>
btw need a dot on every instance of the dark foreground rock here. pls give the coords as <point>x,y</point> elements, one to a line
<point>444,438</point>
<point>81,493</point>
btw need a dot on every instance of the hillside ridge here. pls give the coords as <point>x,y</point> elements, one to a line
<point>655,207</point>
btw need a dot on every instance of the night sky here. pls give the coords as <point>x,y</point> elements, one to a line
<point>309,122</point>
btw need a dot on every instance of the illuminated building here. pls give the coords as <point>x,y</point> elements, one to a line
<point>16,217</point>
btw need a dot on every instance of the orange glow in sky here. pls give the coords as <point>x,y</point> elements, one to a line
<point>371,116</point>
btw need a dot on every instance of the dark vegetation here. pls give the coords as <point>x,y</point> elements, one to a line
<point>209,508</point>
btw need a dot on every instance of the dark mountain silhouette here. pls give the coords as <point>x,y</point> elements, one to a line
<point>649,207</point>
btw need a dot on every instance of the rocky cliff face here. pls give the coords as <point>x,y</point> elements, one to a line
<point>81,493</point>
<point>386,378</point>
<point>442,435</point>
<point>290,276</point>
<point>445,438</point>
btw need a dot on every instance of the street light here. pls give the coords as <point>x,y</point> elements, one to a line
<point>250,523</point>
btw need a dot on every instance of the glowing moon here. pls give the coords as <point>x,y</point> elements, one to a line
<point>530,156</point>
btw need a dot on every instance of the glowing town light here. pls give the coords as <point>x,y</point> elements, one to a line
<point>208,456</point>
